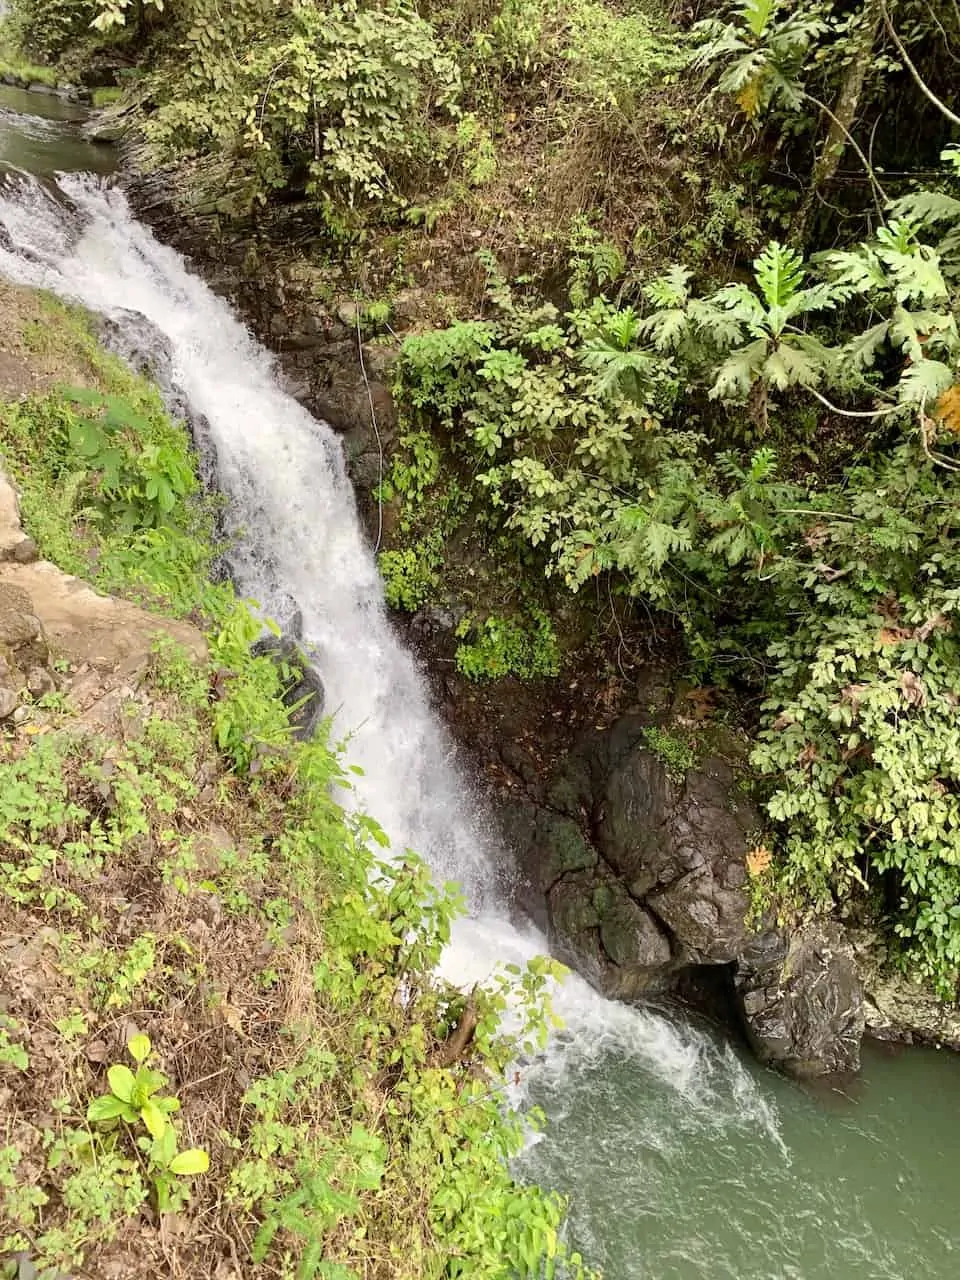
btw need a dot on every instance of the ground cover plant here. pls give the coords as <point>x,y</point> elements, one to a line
<point>222,1043</point>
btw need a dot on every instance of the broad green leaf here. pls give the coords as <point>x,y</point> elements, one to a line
<point>107,1107</point>
<point>86,438</point>
<point>155,1120</point>
<point>122,1081</point>
<point>192,1161</point>
<point>139,1047</point>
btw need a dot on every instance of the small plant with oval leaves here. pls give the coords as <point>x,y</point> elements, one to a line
<point>135,1098</point>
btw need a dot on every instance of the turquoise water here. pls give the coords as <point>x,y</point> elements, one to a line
<point>853,1181</point>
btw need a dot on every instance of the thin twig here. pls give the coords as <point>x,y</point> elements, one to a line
<point>928,425</point>
<point>874,180</point>
<point>921,83</point>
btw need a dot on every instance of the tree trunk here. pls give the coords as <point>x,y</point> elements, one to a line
<point>844,115</point>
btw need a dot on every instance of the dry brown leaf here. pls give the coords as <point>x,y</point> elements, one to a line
<point>854,694</point>
<point>98,1051</point>
<point>748,98</point>
<point>948,408</point>
<point>939,622</point>
<point>913,689</point>
<point>807,755</point>
<point>893,635</point>
<point>703,702</point>
<point>758,860</point>
<point>816,536</point>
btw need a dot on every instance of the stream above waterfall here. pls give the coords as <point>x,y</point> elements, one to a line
<point>682,1158</point>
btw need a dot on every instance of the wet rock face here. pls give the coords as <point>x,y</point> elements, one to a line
<point>679,847</point>
<point>304,693</point>
<point>643,871</point>
<point>801,1000</point>
<point>897,1006</point>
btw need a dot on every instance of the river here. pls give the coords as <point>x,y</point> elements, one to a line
<point>683,1159</point>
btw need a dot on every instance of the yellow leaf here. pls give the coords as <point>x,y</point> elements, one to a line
<point>748,98</point>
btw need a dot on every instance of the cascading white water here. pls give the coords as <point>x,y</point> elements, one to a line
<point>299,540</point>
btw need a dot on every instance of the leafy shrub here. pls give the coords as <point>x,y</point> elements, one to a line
<point>760,52</point>
<point>861,747</point>
<point>45,28</point>
<point>835,598</point>
<point>336,100</point>
<point>410,575</point>
<point>525,647</point>
<point>372,1078</point>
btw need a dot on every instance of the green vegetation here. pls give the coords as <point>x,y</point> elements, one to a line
<point>691,356</point>
<point>224,1023</point>
<point>14,66</point>
<point>678,754</point>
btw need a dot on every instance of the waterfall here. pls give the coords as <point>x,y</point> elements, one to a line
<point>298,550</point>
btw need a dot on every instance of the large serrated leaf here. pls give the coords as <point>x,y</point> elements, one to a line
<point>779,272</point>
<point>925,382</point>
<point>737,374</point>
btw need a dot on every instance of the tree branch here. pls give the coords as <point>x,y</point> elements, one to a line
<point>853,413</point>
<point>921,83</point>
<point>874,180</point>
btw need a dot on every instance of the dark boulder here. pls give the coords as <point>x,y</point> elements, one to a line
<point>801,1000</point>
<point>644,872</point>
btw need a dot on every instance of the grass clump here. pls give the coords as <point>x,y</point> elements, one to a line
<point>14,66</point>
<point>223,1044</point>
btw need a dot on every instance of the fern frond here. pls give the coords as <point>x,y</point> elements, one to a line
<point>671,289</point>
<point>924,383</point>
<point>858,270</point>
<point>744,71</point>
<point>757,14</point>
<point>817,297</point>
<point>779,273</point>
<point>785,88</point>
<point>799,361</point>
<point>909,330</point>
<point>916,275</point>
<point>861,351</point>
<point>715,323</point>
<point>626,372</point>
<point>718,40</point>
<point>743,304</point>
<point>737,374</point>
<point>665,329</point>
<point>927,207</point>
